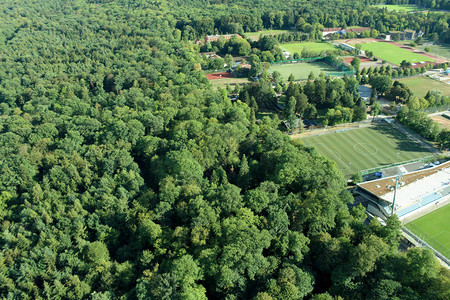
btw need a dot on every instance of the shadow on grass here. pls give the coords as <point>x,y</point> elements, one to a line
<point>398,140</point>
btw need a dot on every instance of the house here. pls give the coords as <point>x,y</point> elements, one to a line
<point>198,42</point>
<point>404,35</point>
<point>410,34</point>
<point>385,36</point>
<point>245,66</point>
<point>211,55</point>
<point>365,92</point>
<point>330,31</point>
<point>214,38</point>
<point>350,48</point>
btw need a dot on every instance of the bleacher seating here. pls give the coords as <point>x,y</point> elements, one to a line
<point>445,191</point>
<point>430,198</point>
<point>408,209</point>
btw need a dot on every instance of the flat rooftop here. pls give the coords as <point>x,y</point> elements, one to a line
<point>412,185</point>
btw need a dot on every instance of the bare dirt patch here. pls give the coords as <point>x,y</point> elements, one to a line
<point>361,41</point>
<point>220,75</point>
<point>443,121</point>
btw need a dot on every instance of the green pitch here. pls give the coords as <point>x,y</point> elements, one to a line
<point>421,85</point>
<point>433,228</point>
<point>398,7</point>
<point>302,70</point>
<point>393,53</point>
<point>442,50</point>
<point>364,148</point>
<point>298,47</point>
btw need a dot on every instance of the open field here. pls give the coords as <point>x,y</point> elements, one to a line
<point>298,47</point>
<point>363,148</point>
<point>443,121</point>
<point>441,50</point>
<point>421,85</point>
<point>254,36</point>
<point>302,70</point>
<point>433,228</point>
<point>397,7</point>
<point>231,81</point>
<point>393,53</point>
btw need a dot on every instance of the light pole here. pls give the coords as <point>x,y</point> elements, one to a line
<point>398,177</point>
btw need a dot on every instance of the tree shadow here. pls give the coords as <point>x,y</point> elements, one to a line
<point>398,140</point>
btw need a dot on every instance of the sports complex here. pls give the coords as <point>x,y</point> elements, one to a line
<point>393,52</point>
<point>421,201</point>
<point>423,192</point>
<point>360,148</point>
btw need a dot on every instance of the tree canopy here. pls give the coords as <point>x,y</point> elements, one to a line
<point>126,175</point>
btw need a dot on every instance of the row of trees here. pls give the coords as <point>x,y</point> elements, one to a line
<point>309,18</point>
<point>424,125</point>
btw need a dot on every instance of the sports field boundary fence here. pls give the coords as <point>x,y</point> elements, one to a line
<point>342,73</point>
<point>290,61</point>
<point>378,169</point>
<point>422,243</point>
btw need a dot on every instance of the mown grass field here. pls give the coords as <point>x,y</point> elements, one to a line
<point>298,47</point>
<point>398,7</point>
<point>254,36</point>
<point>421,85</point>
<point>393,53</point>
<point>364,148</point>
<point>302,70</point>
<point>433,228</point>
<point>231,81</point>
<point>441,50</point>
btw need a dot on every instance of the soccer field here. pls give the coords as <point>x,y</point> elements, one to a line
<point>302,70</point>
<point>421,85</point>
<point>363,148</point>
<point>298,47</point>
<point>393,53</point>
<point>434,229</point>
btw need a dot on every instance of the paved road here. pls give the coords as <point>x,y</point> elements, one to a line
<point>438,113</point>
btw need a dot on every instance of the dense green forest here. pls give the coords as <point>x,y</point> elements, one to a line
<point>125,175</point>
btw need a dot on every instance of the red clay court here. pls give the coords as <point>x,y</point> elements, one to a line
<point>219,75</point>
<point>350,59</point>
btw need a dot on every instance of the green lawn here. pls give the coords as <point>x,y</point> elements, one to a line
<point>433,228</point>
<point>441,50</point>
<point>393,53</point>
<point>302,70</point>
<point>298,47</point>
<point>231,81</point>
<point>421,85</point>
<point>398,7</point>
<point>364,148</point>
<point>254,36</point>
